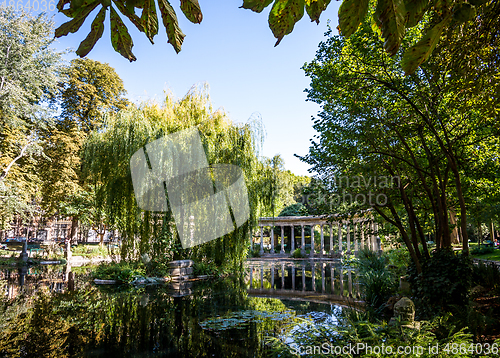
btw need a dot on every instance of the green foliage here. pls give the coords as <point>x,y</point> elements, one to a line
<point>405,139</point>
<point>392,17</point>
<point>399,258</point>
<point>355,329</point>
<point>107,161</point>
<point>297,254</point>
<point>204,268</point>
<point>255,252</point>
<point>297,209</point>
<point>28,69</point>
<point>90,251</point>
<point>445,281</point>
<point>482,250</point>
<point>123,272</point>
<point>378,283</point>
<point>486,275</point>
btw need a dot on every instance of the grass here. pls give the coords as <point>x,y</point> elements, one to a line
<point>90,251</point>
<point>494,256</point>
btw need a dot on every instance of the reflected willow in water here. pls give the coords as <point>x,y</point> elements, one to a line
<point>44,318</point>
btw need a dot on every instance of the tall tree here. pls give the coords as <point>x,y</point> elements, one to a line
<point>107,159</point>
<point>421,129</point>
<point>28,80</point>
<point>89,90</point>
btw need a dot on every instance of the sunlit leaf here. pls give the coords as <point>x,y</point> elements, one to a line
<point>351,14</point>
<point>419,52</point>
<point>390,17</point>
<point>95,34</point>
<point>283,16</point>
<point>174,33</point>
<point>74,24</point>
<point>149,19</point>
<point>256,5</point>
<point>120,38</point>
<point>192,10</point>
<point>314,8</point>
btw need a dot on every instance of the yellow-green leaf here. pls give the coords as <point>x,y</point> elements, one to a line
<point>351,14</point>
<point>149,19</point>
<point>120,38</point>
<point>77,21</point>
<point>390,16</point>
<point>174,33</point>
<point>192,10</point>
<point>256,5</point>
<point>421,51</point>
<point>283,16</point>
<point>314,8</point>
<point>415,10</point>
<point>95,34</point>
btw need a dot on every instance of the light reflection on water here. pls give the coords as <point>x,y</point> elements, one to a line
<point>58,313</point>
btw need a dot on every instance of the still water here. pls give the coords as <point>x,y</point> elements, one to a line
<point>57,311</point>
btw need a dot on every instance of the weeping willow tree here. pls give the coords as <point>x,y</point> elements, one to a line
<point>106,161</point>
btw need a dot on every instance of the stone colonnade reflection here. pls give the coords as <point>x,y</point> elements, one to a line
<point>299,278</point>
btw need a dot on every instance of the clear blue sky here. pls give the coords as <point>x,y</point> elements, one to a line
<point>233,51</point>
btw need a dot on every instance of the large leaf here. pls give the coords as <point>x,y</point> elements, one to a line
<point>421,51</point>
<point>192,10</point>
<point>390,16</point>
<point>149,19</point>
<point>415,10</point>
<point>77,21</point>
<point>256,5</point>
<point>283,16</point>
<point>130,14</point>
<point>174,33</point>
<point>120,38</point>
<point>314,8</point>
<point>464,12</point>
<point>351,14</point>
<point>61,4</point>
<point>95,34</point>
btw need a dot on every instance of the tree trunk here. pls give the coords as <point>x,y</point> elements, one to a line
<point>480,230</point>
<point>74,230</point>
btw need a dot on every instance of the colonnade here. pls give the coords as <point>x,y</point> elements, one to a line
<point>350,235</point>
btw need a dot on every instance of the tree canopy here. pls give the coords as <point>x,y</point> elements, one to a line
<point>391,17</point>
<point>29,68</point>
<point>406,141</point>
<point>88,90</point>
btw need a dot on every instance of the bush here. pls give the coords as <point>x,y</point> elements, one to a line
<point>297,254</point>
<point>482,250</point>
<point>255,252</point>
<point>445,281</point>
<point>378,283</point>
<point>486,275</point>
<point>205,268</point>
<point>353,328</point>
<point>123,272</point>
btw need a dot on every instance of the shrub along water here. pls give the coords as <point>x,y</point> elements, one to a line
<point>445,282</point>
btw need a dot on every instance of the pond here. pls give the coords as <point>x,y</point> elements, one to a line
<point>57,311</point>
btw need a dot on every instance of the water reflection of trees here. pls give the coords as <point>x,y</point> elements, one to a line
<point>97,322</point>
